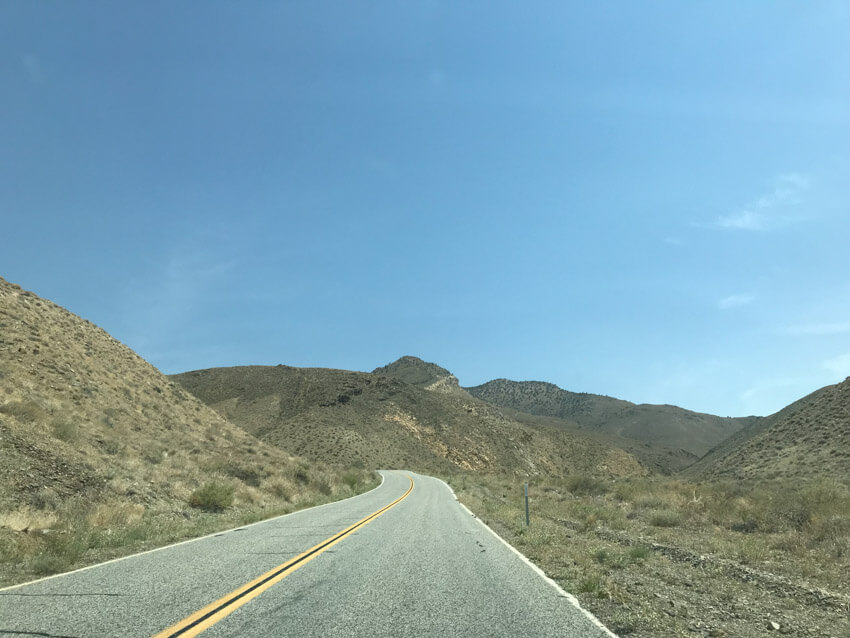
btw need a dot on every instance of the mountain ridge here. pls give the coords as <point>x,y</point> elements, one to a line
<point>660,425</point>
<point>379,420</point>
<point>808,438</point>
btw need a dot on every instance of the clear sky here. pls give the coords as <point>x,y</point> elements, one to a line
<point>648,200</point>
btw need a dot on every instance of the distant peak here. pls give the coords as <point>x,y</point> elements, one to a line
<point>414,371</point>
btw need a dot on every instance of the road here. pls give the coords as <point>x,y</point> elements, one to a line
<point>416,564</point>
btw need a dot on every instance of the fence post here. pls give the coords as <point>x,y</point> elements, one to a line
<point>527,521</point>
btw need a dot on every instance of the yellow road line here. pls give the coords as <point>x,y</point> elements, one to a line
<point>208,616</point>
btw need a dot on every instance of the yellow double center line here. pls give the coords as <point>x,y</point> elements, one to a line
<point>205,618</point>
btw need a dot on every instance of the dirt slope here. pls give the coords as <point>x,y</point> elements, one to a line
<point>82,414</point>
<point>94,440</point>
<point>809,438</point>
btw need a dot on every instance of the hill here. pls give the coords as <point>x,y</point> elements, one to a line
<point>809,438</point>
<point>422,374</point>
<point>373,420</point>
<point>660,426</point>
<point>430,376</point>
<point>94,439</point>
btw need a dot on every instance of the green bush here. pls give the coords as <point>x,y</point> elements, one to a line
<point>665,518</point>
<point>212,497</point>
<point>65,431</point>
<point>638,553</point>
<point>352,479</point>
<point>589,485</point>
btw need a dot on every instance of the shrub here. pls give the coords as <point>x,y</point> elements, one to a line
<point>589,485</point>
<point>301,475</point>
<point>352,479</point>
<point>280,488</point>
<point>324,486</point>
<point>59,552</point>
<point>65,431</point>
<point>594,585</point>
<point>212,497</point>
<point>638,553</point>
<point>665,518</point>
<point>23,411</point>
<point>249,473</point>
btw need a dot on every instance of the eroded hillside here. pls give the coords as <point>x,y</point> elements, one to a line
<point>373,420</point>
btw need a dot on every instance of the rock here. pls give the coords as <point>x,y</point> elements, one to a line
<point>772,625</point>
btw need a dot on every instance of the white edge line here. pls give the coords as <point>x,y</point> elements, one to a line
<point>565,594</point>
<point>191,540</point>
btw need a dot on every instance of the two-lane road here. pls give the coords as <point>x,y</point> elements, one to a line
<point>392,562</point>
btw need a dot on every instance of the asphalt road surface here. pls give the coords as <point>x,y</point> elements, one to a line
<point>392,562</point>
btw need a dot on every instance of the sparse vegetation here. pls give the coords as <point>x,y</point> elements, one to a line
<point>62,535</point>
<point>142,463</point>
<point>26,411</point>
<point>100,454</point>
<point>212,497</point>
<point>668,557</point>
<point>65,430</point>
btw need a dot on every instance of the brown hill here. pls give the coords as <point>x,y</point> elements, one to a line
<point>93,439</point>
<point>660,426</point>
<point>430,376</point>
<point>422,374</point>
<point>809,438</point>
<point>374,420</point>
<point>657,458</point>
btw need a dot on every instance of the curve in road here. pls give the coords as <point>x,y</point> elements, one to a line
<point>395,562</point>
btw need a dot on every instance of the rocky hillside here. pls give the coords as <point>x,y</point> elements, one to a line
<point>432,377</point>
<point>373,420</point>
<point>92,433</point>
<point>660,426</point>
<point>809,438</point>
<point>83,415</point>
<point>422,374</point>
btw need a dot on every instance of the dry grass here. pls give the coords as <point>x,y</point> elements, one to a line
<point>100,453</point>
<point>808,439</point>
<point>35,542</point>
<point>666,557</point>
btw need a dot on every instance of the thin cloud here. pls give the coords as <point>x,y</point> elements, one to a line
<point>775,209</point>
<point>735,301</point>
<point>817,329</point>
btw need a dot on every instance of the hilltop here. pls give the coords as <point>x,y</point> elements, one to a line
<point>660,426</point>
<point>374,420</point>
<point>809,438</point>
<point>422,374</point>
<point>94,439</point>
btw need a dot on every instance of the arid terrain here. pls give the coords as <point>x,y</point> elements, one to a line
<point>373,420</point>
<point>658,425</point>
<point>101,455</point>
<point>664,557</point>
<point>653,555</point>
<point>809,439</point>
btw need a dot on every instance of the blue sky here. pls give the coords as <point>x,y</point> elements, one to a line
<point>646,200</point>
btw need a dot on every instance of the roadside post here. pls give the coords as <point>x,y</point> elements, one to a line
<point>527,521</point>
